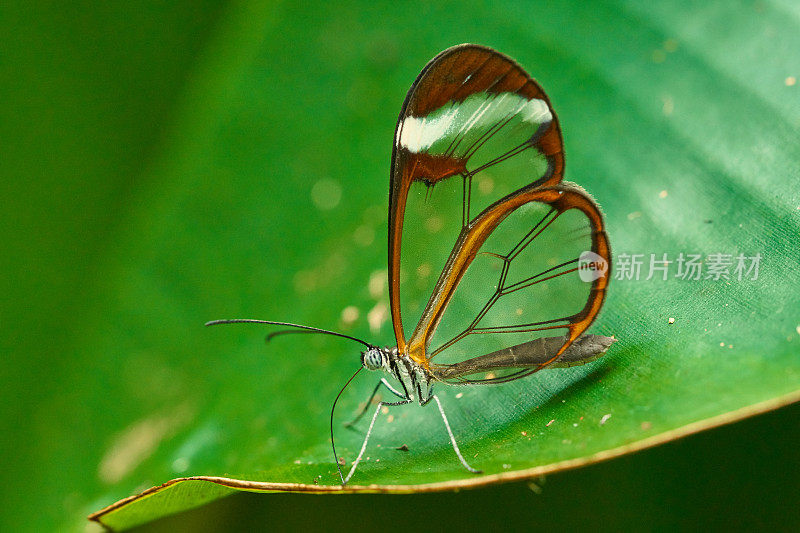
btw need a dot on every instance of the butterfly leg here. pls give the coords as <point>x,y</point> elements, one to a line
<point>453,439</point>
<point>372,397</point>
<point>369,432</point>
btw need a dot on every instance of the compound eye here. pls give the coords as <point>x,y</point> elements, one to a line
<point>373,359</point>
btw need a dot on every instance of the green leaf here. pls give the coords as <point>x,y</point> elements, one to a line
<point>259,190</point>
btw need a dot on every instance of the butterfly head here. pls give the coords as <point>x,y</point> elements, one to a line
<point>374,358</point>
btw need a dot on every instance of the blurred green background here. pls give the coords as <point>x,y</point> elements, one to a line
<point>163,165</point>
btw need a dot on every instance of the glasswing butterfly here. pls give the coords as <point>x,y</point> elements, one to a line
<point>476,193</point>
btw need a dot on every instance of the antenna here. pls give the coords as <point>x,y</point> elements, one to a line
<point>287,332</point>
<point>308,329</point>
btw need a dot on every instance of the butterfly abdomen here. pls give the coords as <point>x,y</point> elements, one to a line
<point>531,354</point>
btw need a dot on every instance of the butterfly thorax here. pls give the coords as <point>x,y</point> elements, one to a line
<point>416,382</point>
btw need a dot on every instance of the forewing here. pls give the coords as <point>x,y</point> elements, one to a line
<point>474,129</point>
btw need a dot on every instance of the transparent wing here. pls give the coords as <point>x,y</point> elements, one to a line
<point>474,129</point>
<point>533,267</point>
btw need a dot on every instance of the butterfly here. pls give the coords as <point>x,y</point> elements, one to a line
<point>477,193</point>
